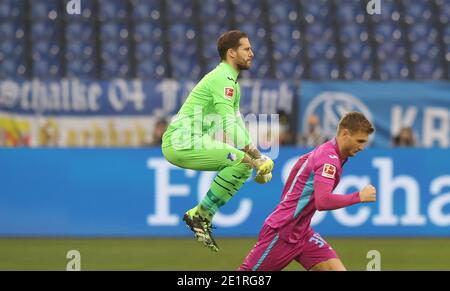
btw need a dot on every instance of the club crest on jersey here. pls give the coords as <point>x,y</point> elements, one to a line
<point>231,157</point>
<point>329,171</point>
<point>228,93</point>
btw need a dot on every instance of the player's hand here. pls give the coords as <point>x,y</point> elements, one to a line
<point>263,165</point>
<point>263,179</point>
<point>368,194</point>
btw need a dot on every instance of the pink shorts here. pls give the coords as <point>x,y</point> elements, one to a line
<point>271,253</point>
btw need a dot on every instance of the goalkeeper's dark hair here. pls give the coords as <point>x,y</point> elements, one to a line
<point>354,122</point>
<point>229,40</point>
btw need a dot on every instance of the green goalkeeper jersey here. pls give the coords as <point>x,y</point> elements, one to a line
<point>212,106</point>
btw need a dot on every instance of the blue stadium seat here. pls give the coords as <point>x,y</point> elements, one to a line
<point>11,47</point>
<point>283,11</point>
<point>428,70</point>
<point>11,29</point>
<point>44,29</point>
<point>117,50</point>
<point>79,50</point>
<point>349,12</point>
<point>387,31</point>
<point>112,9</point>
<point>210,50</point>
<point>444,9</point>
<point>259,69</point>
<point>290,50</point>
<point>148,69</point>
<point>390,12</point>
<point>353,32</point>
<point>152,50</point>
<point>247,10</point>
<point>115,69</point>
<point>216,10</point>
<point>81,30</point>
<point>11,8</point>
<point>323,70</point>
<point>44,8</point>
<point>45,49</point>
<point>391,49</point>
<point>446,34</point>
<point>422,30</point>
<point>185,68</point>
<point>416,11</point>
<point>148,31</point>
<point>289,69</point>
<point>358,70</point>
<point>316,10</point>
<point>423,49</point>
<point>12,68</point>
<point>81,68</point>
<point>321,49</point>
<point>113,30</point>
<point>318,31</point>
<point>146,9</point>
<point>180,10</point>
<point>286,41</point>
<point>393,69</point>
<point>356,50</point>
<point>46,68</point>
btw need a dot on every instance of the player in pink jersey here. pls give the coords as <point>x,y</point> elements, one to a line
<point>286,234</point>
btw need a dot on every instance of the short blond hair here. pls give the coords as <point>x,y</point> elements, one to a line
<point>355,121</point>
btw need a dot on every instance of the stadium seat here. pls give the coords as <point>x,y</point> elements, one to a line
<point>180,10</point>
<point>289,69</point>
<point>43,9</point>
<point>247,10</point>
<point>393,69</point>
<point>113,30</point>
<point>44,29</point>
<point>356,50</point>
<point>323,70</point>
<point>148,31</point>
<point>11,8</point>
<point>148,69</point>
<point>283,11</point>
<point>146,9</point>
<point>80,30</point>
<point>81,68</point>
<point>358,70</point>
<point>112,9</point>
<point>216,10</point>
<point>428,70</point>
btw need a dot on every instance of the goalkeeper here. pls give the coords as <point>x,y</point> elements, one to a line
<point>213,106</point>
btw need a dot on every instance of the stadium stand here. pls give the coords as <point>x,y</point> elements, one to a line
<point>292,39</point>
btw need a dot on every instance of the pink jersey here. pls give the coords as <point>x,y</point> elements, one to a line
<point>292,216</point>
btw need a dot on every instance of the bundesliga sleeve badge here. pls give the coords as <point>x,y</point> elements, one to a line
<point>329,171</point>
<point>228,93</point>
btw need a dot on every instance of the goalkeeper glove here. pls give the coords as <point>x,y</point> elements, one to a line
<point>263,165</point>
<point>263,179</point>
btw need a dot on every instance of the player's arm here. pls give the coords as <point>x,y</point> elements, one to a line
<point>325,200</point>
<point>324,180</point>
<point>223,97</point>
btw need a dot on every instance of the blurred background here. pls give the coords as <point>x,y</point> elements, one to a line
<point>85,99</point>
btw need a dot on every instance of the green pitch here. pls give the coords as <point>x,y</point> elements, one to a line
<point>186,254</point>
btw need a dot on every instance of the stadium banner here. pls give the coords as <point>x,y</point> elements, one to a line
<point>136,192</point>
<point>73,112</point>
<point>423,106</point>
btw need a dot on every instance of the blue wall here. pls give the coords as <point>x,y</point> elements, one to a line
<point>135,192</point>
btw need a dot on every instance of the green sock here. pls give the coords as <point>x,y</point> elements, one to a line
<point>227,182</point>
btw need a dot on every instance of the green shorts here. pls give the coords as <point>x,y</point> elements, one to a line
<point>212,155</point>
